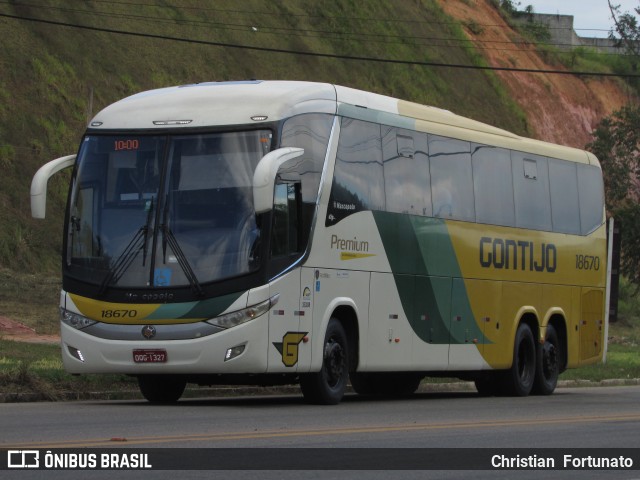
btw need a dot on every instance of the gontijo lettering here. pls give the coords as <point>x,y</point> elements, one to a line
<point>518,255</point>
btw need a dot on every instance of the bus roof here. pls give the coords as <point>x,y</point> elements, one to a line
<point>255,101</point>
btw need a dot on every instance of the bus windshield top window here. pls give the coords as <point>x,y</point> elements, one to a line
<point>192,193</point>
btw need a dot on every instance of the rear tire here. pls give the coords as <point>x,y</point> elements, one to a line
<point>518,380</point>
<point>161,389</point>
<point>548,364</point>
<point>327,386</point>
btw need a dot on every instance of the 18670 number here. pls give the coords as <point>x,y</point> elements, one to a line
<point>119,313</point>
<point>587,262</point>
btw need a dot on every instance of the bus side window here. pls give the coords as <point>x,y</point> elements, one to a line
<point>591,192</point>
<point>358,183</point>
<point>407,181</point>
<point>531,191</point>
<point>563,179</point>
<point>285,234</point>
<point>493,195</point>
<point>451,178</point>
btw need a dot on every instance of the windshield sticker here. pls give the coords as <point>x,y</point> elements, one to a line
<point>162,277</point>
<point>306,297</point>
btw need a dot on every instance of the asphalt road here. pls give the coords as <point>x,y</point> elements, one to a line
<point>571,418</point>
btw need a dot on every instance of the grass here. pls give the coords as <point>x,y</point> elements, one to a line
<point>57,73</point>
<point>31,300</point>
<point>35,372</point>
<point>623,362</point>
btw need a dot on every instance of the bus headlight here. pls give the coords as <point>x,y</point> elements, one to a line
<point>75,320</point>
<point>245,315</point>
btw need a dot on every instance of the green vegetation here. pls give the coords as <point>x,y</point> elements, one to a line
<point>617,144</point>
<point>31,300</point>
<point>34,371</point>
<point>60,76</point>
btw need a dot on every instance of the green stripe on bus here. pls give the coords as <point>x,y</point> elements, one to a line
<point>428,278</point>
<point>209,308</point>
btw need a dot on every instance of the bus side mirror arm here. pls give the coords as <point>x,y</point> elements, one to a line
<point>264,178</point>
<point>39,183</point>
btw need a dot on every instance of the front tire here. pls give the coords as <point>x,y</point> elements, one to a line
<point>161,389</point>
<point>327,386</point>
<point>547,364</point>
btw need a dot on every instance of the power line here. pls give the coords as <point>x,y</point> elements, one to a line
<point>303,15</point>
<point>297,32</point>
<point>305,33</point>
<point>315,54</point>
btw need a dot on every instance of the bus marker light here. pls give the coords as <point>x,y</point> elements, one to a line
<point>75,353</point>
<point>233,352</point>
<point>305,339</point>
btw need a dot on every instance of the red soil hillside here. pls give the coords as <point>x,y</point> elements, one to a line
<point>562,109</point>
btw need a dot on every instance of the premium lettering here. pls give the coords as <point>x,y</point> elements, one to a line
<point>354,245</point>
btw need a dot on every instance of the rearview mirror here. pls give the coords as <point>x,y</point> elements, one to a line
<point>39,183</point>
<point>264,177</point>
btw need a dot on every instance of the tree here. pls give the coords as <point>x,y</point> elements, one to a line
<point>617,145</point>
<point>627,31</point>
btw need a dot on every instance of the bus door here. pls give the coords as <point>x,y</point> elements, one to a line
<point>284,324</point>
<point>285,335</point>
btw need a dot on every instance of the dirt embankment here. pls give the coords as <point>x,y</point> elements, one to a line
<point>561,109</point>
<point>12,330</point>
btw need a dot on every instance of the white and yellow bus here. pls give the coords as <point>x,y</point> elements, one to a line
<point>273,232</point>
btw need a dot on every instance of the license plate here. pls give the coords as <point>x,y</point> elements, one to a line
<point>150,356</point>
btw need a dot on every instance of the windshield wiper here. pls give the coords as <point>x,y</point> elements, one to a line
<point>129,254</point>
<point>169,237</point>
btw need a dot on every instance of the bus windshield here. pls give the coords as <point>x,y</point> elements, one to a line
<point>164,211</point>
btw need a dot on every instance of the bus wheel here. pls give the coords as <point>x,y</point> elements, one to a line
<point>327,386</point>
<point>518,380</point>
<point>548,364</point>
<point>162,389</point>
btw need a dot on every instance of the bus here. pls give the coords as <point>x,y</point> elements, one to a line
<point>285,232</point>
